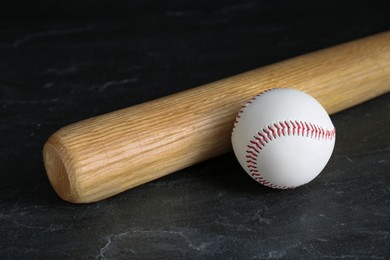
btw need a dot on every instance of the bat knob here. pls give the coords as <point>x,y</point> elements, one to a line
<point>58,170</point>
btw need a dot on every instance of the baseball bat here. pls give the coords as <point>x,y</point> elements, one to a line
<point>102,156</point>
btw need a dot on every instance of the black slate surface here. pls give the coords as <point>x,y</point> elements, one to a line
<point>63,61</point>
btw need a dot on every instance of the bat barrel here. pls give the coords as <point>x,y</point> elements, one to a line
<point>102,156</point>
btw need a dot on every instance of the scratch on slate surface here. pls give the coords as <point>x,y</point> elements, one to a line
<point>29,37</point>
<point>111,240</point>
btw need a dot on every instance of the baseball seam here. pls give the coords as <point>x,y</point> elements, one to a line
<point>277,130</point>
<point>246,105</point>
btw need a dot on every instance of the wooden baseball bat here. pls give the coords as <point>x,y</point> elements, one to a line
<point>105,155</point>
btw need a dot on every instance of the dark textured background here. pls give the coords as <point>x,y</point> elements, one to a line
<point>63,61</point>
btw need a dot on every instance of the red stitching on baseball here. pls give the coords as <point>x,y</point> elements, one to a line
<point>251,157</point>
<point>259,140</point>
<point>251,152</point>
<point>256,143</point>
<point>264,139</point>
<point>277,130</point>
<point>269,133</point>
<point>243,107</point>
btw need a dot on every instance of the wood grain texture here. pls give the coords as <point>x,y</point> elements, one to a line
<point>105,155</point>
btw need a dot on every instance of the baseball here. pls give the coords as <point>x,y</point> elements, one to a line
<point>283,138</point>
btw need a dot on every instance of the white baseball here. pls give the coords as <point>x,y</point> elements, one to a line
<point>283,138</point>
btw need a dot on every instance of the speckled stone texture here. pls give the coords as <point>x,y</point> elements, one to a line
<point>61,62</point>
